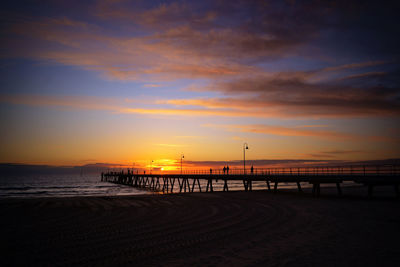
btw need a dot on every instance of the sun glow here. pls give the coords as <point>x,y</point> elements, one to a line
<point>157,165</point>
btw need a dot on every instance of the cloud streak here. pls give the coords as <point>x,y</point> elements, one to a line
<point>286,131</point>
<point>171,41</point>
<point>295,95</point>
<point>180,40</point>
<point>121,106</point>
<point>115,105</point>
<point>79,102</point>
<point>309,132</point>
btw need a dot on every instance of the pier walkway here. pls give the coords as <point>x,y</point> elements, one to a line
<point>189,181</point>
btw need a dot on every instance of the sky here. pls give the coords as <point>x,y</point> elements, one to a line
<point>144,82</point>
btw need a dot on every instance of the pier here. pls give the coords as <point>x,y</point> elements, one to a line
<point>189,181</point>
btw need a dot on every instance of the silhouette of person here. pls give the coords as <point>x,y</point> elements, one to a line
<point>210,171</point>
<point>224,169</point>
<point>252,169</point>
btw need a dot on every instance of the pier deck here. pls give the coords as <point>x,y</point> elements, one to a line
<point>370,176</point>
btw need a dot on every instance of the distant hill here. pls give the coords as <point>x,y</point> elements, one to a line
<point>28,169</point>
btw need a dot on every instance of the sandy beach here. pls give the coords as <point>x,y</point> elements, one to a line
<point>201,229</point>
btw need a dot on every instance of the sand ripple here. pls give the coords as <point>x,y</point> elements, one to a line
<point>235,228</point>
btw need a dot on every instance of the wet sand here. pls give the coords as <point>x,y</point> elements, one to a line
<point>201,229</point>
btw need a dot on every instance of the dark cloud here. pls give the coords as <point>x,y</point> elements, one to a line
<point>321,98</point>
<point>215,33</point>
<point>224,42</point>
<point>298,94</point>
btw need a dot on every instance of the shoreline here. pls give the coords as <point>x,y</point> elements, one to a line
<point>328,190</point>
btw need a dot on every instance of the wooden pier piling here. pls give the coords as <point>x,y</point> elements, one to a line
<point>188,182</point>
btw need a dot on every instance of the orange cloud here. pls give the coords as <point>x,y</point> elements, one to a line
<point>194,112</point>
<point>168,55</point>
<point>254,108</point>
<point>286,131</point>
<point>115,105</point>
<point>152,85</point>
<point>182,48</point>
<point>356,103</point>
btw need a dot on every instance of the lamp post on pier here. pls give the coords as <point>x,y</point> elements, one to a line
<point>182,157</point>
<point>245,146</point>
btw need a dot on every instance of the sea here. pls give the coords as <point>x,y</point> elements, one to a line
<point>76,185</point>
<point>61,185</point>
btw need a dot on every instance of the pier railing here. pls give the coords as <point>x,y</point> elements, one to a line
<point>188,180</point>
<point>348,170</point>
